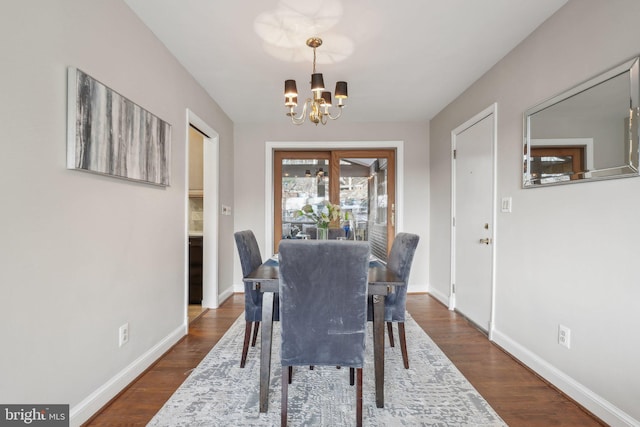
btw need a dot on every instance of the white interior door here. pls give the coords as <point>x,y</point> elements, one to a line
<point>473,221</point>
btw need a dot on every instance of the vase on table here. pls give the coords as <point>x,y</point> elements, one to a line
<point>323,233</point>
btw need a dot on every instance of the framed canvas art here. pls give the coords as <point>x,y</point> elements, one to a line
<point>111,135</point>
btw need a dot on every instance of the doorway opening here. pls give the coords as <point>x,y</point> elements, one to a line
<point>201,288</point>
<point>196,221</point>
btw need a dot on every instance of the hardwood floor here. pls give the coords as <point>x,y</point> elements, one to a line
<point>194,311</point>
<point>517,395</point>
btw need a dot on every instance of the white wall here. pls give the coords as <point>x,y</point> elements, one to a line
<point>82,254</point>
<point>249,176</point>
<point>567,254</point>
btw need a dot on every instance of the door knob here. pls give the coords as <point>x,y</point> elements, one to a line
<point>486,241</point>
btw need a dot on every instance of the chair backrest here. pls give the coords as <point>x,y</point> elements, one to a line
<point>401,254</point>
<point>323,302</point>
<point>248,250</point>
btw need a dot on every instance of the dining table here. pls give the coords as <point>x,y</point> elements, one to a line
<point>381,282</point>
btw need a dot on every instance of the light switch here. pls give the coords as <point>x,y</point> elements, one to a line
<point>506,204</point>
<point>226,210</point>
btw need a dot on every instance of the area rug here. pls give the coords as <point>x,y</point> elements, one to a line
<point>431,393</point>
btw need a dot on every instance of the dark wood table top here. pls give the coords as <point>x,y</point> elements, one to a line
<point>382,281</point>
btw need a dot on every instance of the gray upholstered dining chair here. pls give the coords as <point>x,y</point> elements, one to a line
<point>399,261</point>
<point>250,259</point>
<point>323,308</point>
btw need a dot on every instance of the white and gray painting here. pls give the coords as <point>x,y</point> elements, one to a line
<point>114,136</point>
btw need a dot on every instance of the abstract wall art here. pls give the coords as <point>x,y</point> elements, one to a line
<point>109,134</point>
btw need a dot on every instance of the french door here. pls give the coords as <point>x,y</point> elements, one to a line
<point>362,182</point>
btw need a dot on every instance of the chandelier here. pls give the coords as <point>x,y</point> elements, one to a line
<point>318,105</point>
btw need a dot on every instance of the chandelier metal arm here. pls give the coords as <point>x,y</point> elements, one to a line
<point>303,114</point>
<point>337,116</point>
<point>316,114</point>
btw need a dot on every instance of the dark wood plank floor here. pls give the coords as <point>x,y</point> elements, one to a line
<point>517,395</point>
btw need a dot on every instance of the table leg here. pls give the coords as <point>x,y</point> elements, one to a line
<point>378,347</point>
<point>265,349</point>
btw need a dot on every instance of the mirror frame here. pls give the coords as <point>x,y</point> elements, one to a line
<point>631,169</point>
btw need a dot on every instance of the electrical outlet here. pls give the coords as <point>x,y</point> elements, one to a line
<point>564,336</point>
<point>123,335</point>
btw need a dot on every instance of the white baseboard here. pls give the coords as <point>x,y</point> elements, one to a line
<point>418,288</point>
<point>225,296</point>
<point>222,297</point>
<point>599,406</point>
<point>444,299</point>
<point>96,400</point>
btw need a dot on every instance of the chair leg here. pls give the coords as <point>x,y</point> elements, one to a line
<point>390,330</point>
<point>290,374</point>
<point>255,333</point>
<point>245,347</point>
<point>403,344</point>
<point>284,396</point>
<point>352,372</point>
<point>359,399</point>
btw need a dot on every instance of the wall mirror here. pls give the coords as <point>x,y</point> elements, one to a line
<point>589,132</point>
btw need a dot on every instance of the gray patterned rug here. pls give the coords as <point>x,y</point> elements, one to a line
<point>431,393</point>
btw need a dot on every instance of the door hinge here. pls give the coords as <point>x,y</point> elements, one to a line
<point>453,222</point>
<point>453,288</point>
<point>455,153</point>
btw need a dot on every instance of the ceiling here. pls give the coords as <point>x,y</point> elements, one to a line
<point>404,60</point>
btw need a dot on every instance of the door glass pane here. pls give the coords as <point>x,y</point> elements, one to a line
<point>354,196</point>
<point>304,181</point>
<point>363,194</point>
<point>360,181</point>
<point>378,225</point>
